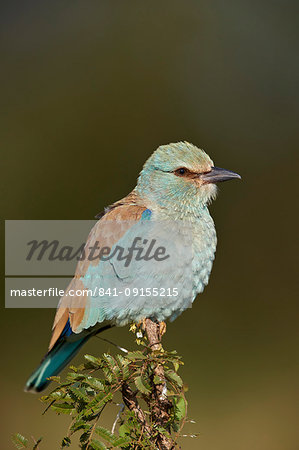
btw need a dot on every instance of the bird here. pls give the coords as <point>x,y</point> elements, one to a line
<point>170,200</point>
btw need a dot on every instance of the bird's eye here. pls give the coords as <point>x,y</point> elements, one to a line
<point>181,171</point>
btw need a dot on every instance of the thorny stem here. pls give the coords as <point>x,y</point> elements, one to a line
<point>158,403</point>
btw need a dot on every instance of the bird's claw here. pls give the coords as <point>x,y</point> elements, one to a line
<point>162,328</point>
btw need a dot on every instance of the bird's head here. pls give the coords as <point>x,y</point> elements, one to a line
<point>182,176</point>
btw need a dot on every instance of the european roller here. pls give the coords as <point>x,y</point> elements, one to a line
<point>170,201</point>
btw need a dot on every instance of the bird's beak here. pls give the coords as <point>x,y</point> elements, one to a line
<point>217,174</point>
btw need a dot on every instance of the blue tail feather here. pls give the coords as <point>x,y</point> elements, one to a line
<point>53,363</point>
<point>59,356</point>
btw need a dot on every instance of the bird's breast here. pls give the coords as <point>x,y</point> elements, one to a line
<point>203,252</point>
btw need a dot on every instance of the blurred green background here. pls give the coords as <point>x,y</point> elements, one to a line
<point>88,90</point>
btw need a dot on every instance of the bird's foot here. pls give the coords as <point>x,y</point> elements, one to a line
<point>138,329</point>
<point>162,328</point>
<point>141,324</point>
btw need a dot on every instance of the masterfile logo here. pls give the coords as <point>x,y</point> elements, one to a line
<point>116,259</point>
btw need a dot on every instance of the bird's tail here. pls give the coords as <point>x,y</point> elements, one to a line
<point>57,358</point>
<point>54,361</point>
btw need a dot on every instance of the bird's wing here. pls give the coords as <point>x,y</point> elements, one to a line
<point>107,231</point>
<point>143,285</point>
<point>149,273</point>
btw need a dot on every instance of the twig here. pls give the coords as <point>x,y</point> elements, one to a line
<point>112,343</point>
<point>159,403</point>
<point>122,407</point>
<point>131,402</point>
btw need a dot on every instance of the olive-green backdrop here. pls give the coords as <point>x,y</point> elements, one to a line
<point>88,90</point>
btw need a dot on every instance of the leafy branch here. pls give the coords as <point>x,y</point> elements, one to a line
<point>153,409</point>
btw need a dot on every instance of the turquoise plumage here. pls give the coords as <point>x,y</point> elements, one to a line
<point>169,206</point>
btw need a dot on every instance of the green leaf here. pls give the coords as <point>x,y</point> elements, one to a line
<point>124,430</point>
<point>66,442</point>
<point>123,363</point>
<point>113,440</point>
<point>63,408</point>
<point>19,441</point>
<point>84,438</point>
<point>80,425</point>
<point>79,394</point>
<point>98,402</point>
<point>92,361</point>
<point>106,434</point>
<point>179,408</point>
<point>72,376</point>
<point>94,383</point>
<point>54,378</point>
<point>172,376</point>
<point>122,441</point>
<point>109,360</point>
<point>45,398</point>
<point>112,366</point>
<point>176,365</point>
<point>109,375</point>
<point>55,395</point>
<point>96,445</point>
<point>139,382</point>
<point>135,355</point>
